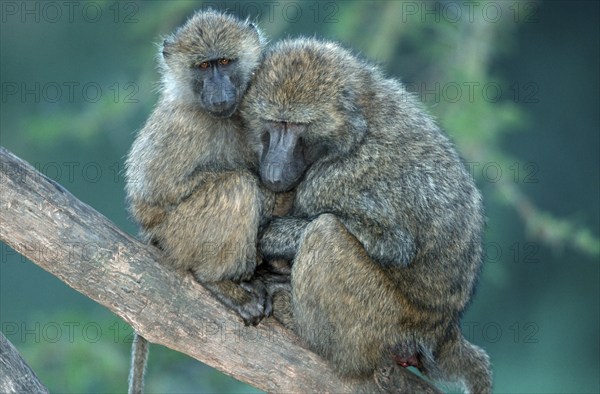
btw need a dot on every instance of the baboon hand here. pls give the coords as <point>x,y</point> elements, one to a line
<point>257,304</point>
<point>273,275</point>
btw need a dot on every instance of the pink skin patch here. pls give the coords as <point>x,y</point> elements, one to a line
<point>410,361</point>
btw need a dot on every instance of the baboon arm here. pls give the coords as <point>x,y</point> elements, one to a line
<point>281,237</point>
<point>167,191</point>
<point>390,247</point>
<point>181,188</point>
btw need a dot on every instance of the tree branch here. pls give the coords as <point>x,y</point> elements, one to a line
<point>44,222</point>
<point>15,375</point>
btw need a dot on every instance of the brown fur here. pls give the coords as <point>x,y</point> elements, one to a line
<point>386,225</point>
<point>189,174</point>
<point>190,177</point>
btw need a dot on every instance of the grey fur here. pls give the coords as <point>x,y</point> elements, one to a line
<point>190,175</point>
<point>386,225</point>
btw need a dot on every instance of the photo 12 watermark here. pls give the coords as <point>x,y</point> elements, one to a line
<point>69,11</point>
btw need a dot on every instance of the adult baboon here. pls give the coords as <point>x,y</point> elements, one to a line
<point>386,224</point>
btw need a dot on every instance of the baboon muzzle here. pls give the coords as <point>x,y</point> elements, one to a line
<point>282,162</point>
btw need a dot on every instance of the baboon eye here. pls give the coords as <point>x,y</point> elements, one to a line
<point>203,65</point>
<point>224,61</point>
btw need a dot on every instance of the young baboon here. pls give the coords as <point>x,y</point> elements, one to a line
<point>190,175</point>
<point>386,225</point>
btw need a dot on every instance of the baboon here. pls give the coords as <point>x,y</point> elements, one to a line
<point>191,178</point>
<point>386,224</point>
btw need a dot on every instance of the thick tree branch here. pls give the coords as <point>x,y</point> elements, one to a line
<point>15,375</point>
<point>69,239</point>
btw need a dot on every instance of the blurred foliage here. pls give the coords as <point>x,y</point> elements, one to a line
<point>515,84</point>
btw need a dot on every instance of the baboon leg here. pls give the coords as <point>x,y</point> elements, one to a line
<point>213,232</point>
<point>350,309</point>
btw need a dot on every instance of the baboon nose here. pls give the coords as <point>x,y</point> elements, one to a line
<point>222,99</point>
<point>219,100</point>
<point>226,95</point>
<point>275,173</point>
<point>220,104</point>
<point>215,104</point>
<point>272,175</point>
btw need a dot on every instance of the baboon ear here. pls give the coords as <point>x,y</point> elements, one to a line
<point>166,46</point>
<point>357,126</point>
<point>357,123</point>
<point>254,29</point>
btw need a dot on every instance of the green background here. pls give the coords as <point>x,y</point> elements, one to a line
<point>515,84</point>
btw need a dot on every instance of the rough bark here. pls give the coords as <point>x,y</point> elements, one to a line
<point>48,225</point>
<point>15,375</point>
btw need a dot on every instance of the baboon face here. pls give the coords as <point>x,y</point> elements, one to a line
<point>213,83</point>
<point>209,61</point>
<point>301,108</point>
<point>282,162</point>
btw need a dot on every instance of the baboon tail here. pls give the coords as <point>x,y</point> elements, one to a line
<point>139,357</point>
